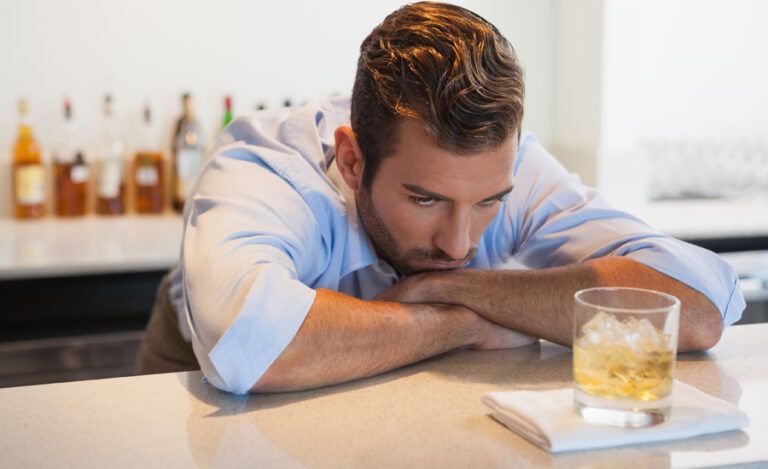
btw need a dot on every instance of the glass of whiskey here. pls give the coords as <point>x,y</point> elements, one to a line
<point>624,350</point>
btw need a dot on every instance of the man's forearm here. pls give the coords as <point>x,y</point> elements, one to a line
<point>535,302</point>
<point>540,302</point>
<point>343,338</point>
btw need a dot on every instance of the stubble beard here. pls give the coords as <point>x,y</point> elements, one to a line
<point>383,241</point>
<point>386,245</point>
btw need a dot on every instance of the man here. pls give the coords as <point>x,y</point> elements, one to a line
<point>325,243</point>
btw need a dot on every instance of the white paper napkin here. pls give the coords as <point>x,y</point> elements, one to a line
<point>548,419</point>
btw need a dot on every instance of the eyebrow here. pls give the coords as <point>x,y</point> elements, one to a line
<point>434,195</point>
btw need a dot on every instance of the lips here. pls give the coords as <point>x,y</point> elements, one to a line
<point>439,265</point>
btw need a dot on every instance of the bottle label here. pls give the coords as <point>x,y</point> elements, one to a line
<point>110,179</point>
<point>29,184</point>
<point>147,175</point>
<point>79,173</point>
<point>188,164</point>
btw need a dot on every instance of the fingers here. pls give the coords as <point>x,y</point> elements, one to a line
<point>496,337</point>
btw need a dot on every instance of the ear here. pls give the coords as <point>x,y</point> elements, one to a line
<point>349,158</point>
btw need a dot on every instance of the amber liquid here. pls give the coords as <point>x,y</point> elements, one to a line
<point>111,205</point>
<point>27,178</point>
<point>148,178</point>
<point>70,189</point>
<point>177,203</point>
<point>615,372</point>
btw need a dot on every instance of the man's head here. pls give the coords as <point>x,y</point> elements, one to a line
<point>437,106</point>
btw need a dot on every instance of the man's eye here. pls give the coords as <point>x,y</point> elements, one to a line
<point>423,201</point>
<point>493,202</point>
<point>490,203</point>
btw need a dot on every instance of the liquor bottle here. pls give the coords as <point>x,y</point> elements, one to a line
<point>148,173</point>
<point>28,180</point>
<point>227,112</point>
<point>70,172</point>
<point>188,153</point>
<point>110,189</point>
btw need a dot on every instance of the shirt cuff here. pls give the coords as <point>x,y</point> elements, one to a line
<point>700,269</point>
<point>273,312</point>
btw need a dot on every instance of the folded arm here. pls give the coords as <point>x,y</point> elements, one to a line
<point>540,302</point>
<point>344,338</point>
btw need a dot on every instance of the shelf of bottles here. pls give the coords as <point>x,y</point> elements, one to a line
<point>114,183</point>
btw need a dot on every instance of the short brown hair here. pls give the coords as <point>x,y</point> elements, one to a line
<point>444,66</point>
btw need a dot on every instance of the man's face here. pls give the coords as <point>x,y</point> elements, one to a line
<point>427,208</point>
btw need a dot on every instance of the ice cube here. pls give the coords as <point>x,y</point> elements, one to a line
<point>605,329</point>
<point>602,329</point>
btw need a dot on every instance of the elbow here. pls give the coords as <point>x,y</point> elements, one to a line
<point>268,382</point>
<point>287,373</point>
<point>704,330</point>
<point>227,373</point>
<point>273,380</point>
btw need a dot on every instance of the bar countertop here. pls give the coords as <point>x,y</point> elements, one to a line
<point>53,247</point>
<point>425,415</point>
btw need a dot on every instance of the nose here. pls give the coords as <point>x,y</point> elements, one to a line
<point>453,234</point>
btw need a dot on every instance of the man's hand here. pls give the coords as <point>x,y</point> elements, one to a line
<point>495,337</point>
<point>413,289</point>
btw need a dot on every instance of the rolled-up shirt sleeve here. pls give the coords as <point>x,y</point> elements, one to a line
<point>249,238</point>
<point>556,220</point>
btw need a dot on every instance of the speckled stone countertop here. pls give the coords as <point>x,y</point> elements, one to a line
<point>424,415</point>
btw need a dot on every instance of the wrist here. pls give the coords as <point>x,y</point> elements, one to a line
<point>439,285</point>
<point>460,326</point>
<point>471,326</point>
<point>477,330</point>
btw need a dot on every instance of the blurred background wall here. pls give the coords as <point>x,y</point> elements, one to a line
<point>259,52</point>
<point>613,86</point>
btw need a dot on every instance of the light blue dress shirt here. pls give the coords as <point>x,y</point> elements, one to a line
<point>270,220</point>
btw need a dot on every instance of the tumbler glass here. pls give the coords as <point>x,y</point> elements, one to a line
<point>624,349</point>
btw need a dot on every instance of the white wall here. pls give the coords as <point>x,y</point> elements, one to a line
<point>694,67</point>
<point>257,51</point>
<point>684,105</point>
<point>687,76</point>
<point>577,85</point>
